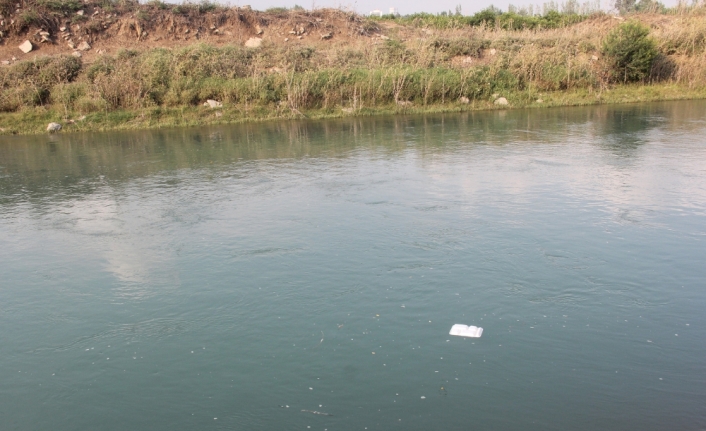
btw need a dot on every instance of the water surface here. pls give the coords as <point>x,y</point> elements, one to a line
<point>227,278</point>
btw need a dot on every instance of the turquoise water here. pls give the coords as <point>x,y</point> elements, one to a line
<point>227,278</point>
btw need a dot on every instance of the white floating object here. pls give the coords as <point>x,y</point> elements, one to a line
<point>466,331</point>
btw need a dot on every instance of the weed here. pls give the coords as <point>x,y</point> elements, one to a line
<point>66,6</point>
<point>78,19</point>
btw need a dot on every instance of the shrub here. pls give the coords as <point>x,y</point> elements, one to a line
<point>461,46</point>
<point>631,52</point>
<point>65,6</point>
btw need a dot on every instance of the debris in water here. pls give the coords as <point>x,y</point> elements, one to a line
<point>460,330</point>
<point>314,412</point>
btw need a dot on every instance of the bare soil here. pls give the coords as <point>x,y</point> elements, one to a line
<point>107,31</point>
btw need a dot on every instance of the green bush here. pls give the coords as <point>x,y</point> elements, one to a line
<point>461,46</point>
<point>66,6</point>
<point>631,52</point>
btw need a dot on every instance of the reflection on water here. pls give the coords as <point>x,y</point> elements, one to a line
<point>39,166</point>
<point>209,278</point>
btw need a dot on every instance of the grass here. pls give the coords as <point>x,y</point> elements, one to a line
<point>34,121</point>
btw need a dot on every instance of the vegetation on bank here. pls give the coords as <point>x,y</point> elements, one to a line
<point>411,68</point>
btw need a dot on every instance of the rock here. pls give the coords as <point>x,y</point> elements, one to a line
<point>286,39</point>
<point>77,54</point>
<point>213,104</point>
<point>468,60</point>
<point>71,44</point>
<point>84,46</point>
<point>253,42</point>
<point>501,101</point>
<point>493,51</point>
<point>45,39</point>
<point>258,30</point>
<point>62,28</point>
<point>5,62</point>
<point>404,103</point>
<point>540,101</point>
<point>44,33</point>
<point>53,127</point>
<point>80,13</point>
<point>383,37</point>
<point>594,57</point>
<point>319,20</point>
<point>100,51</point>
<point>26,46</point>
<point>219,114</point>
<point>325,36</point>
<point>465,100</point>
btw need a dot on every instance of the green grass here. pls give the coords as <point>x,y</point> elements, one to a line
<point>35,120</point>
<point>490,17</point>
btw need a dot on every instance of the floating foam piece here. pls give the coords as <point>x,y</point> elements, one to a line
<point>466,331</point>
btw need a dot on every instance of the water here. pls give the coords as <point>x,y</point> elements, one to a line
<point>228,278</point>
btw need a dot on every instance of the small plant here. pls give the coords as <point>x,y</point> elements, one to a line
<point>631,51</point>
<point>207,6</point>
<point>29,17</point>
<point>65,6</point>
<point>143,15</point>
<point>158,4</point>
<point>276,10</point>
<point>78,19</point>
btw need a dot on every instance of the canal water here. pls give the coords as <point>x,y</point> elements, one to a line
<point>305,275</point>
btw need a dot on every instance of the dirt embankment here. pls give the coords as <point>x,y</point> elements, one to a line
<point>106,28</point>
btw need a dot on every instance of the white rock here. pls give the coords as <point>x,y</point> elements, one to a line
<point>465,100</point>
<point>213,104</point>
<point>84,46</point>
<point>26,46</point>
<point>253,42</point>
<point>53,127</point>
<point>493,51</point>
<point>77,54</point>
<point>460,330</point>
<point>594,57</point>
<point>5,62</point>
<point>501,101</point>
<point>80,12</point>
<point>540,101</point>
